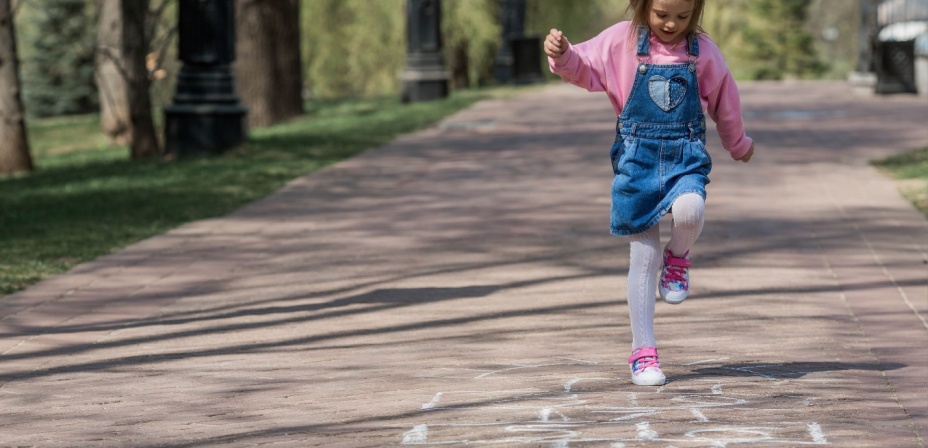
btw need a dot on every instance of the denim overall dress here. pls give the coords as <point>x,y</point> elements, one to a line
<point>659,151</point>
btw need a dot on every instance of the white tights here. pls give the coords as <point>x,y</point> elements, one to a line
<point>646,260</point>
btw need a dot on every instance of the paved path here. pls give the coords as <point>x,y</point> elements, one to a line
<point>460,285</point>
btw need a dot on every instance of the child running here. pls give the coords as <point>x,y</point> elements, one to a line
<point>660,71</point>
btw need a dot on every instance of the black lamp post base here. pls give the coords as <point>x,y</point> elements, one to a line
<point>192,130</point>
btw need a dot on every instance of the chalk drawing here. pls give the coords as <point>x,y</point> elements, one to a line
<point>545,413</point>
<point>431,404</point>
<point>699,415</point>
<point>570,384</point>
<point>645,432</point>
<point>818,437</point>
<point>564,414</point>
<point>417,435</point>
<point>722,436</point>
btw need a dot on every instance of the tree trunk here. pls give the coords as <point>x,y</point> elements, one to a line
<point>14,145</point>
<point>460,72</point>
<point>142,141</point>
<point>267,67</point>
<point>110,74</point>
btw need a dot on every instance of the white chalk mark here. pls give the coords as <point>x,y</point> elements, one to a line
<point>645,432</point>
<point>545,413</point>
<point>753,372</point>
<point>563,417</point>
<point>633,398</point>
<point>516,367</point>
<point>818,437</point>
<point>561,444</point>
<point>705,361</point>
<point>634,415</point>
<point>581,361</point>
<point>570,384</point>
<point>699,415</point>
<point>721,437</point>
<point>717,389</point>
<point>418,435</point>
<point>431,404</point>
<point>617,445</point>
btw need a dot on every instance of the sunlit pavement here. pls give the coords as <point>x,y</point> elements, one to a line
<point>460,286</point>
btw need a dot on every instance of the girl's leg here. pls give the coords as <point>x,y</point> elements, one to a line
<point>642,276</point>
<point>642,283</point>
<point>688,218</point>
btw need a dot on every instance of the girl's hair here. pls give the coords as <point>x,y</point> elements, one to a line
<point>641,11</point>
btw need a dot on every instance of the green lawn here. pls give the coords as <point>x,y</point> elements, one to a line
<point>86,199</point>
<point>911,173</point>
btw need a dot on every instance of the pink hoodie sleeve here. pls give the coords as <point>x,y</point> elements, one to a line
<point>583,64</point>
<point>723,103</point>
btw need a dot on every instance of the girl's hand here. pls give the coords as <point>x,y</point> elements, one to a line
<point>556,44</point>
<point>747,156</point>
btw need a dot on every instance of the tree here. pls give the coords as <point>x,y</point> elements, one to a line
<point>14,145</point>
<point>471,35</point>
<point>353,48</point>
<point>776,40</point>
<point>142,140</point>
<point>110,74</point>
<point>58,75</point>
<point>268,69</point>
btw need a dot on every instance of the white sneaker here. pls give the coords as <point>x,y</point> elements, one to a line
<point>646,369</point>
<point>674,285</point>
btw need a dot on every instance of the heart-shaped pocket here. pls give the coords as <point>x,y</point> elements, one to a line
<point>667,93</point>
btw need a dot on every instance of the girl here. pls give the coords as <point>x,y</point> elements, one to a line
<point>660,71</point>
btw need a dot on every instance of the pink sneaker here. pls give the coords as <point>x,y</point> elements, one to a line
<point>675,278</point>
<point>646,369</point>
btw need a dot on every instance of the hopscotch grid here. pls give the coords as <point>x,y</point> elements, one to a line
<point>548,411</point>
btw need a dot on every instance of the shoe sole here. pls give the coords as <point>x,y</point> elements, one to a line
<point>673,301</point>
<point>662,380</point>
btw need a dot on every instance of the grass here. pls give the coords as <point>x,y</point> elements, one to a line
<point>86,199</point>
<point>911,173</point>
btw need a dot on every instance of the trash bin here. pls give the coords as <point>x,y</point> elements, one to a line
<point>895,56</point>
<point>526,60</point>
<point>921,64</point>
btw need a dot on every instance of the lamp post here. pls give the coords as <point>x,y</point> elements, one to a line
<point>425,77</point>
<point>513,24</point>
<point>519,57</point>
<point>863,81</point>
<point>206,115</point>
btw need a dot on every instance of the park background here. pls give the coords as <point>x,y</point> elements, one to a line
<point>90,194</point>
<point>356,48</point>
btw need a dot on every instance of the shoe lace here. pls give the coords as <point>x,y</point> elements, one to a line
<point>675,269</point>
<point>675,274</point>
<point>645,362</point>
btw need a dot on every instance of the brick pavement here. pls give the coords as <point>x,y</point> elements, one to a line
<point>459,286</point>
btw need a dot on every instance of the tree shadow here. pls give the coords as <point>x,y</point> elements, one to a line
<point>785,370</point>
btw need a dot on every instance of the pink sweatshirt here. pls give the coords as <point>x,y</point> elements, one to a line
<point>608,63</point>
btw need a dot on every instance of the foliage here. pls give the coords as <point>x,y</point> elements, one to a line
<point>472,27</point>
<point>911,171</point>
<point>353,48</point>
<point>58,75</point>
<point>86,200</point>
<point>776,42</point>
<point>578,23</point>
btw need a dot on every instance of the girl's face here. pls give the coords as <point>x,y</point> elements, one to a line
<point>669,19</point>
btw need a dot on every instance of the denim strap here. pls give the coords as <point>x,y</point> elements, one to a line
<point>644,44</point>
<point>644,34</point>
<point>692,45</point>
